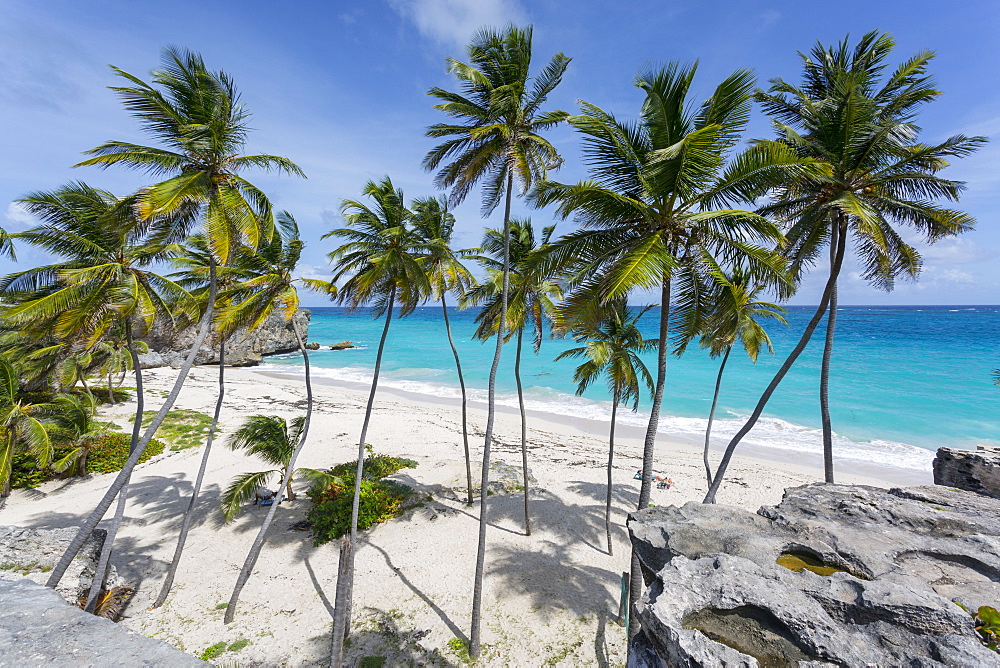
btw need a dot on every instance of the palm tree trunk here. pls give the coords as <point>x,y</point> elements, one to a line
<point>778,377</point>
<point>611,461</point>
<point>258,542</point>
<point>168,582</point>
<point>524,430</point>
<point>345,586</point>
<point>477,587</point>
<point>111,391</point>
<point>86,388</point>
<point>645,487</point>
<point>824,373</point>
<point>465,418</point>
<point>104,560</point>
<point>711,414</point>
<point>122,478</point>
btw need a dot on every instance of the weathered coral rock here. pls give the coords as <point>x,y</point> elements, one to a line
<point>37,628</point>
<point>32,553</point>
<point>343,345</point>
<point>973,470</point>
<point>892,563</point>
<point>170,347</point>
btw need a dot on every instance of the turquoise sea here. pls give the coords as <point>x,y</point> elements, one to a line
<point>905,381</point>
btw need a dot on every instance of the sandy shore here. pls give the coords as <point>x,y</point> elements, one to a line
<point>550,598</point>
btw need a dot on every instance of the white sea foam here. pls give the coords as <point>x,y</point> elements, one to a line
<point>769,432</point>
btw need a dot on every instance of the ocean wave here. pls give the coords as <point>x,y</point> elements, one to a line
<point>768,433</point>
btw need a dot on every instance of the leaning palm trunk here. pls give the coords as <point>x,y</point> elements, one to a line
<point>465,418</point>
<point>168,582</point>
<point>104,560</point>
<point>345,582</point>
<point>824,373</point>
<point>645,486</point>
<point>286,481</point>
<point>477,588</point>
<point>778,377</point>
<point>611,461</point>
<point>122,478</point>
<point>524,430</point>
<point>711,414</point>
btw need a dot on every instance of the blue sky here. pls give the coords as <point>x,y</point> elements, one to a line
<point>340,88</point>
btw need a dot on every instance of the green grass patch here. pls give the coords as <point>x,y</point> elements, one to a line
<point>181,429</point>
<point>213,651</point>
<point>330,516</point>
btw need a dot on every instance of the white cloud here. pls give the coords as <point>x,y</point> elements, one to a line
<point>453,22</point>
<point>768,17</point>
<point>17,216</point>
<point>955,251</point>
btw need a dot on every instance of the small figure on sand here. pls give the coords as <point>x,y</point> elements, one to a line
<point>662,481</point>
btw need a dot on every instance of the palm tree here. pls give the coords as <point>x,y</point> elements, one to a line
<point>495,139</point>
<point>6,245</point>
<point>613,345</point>
<point>75,424</point>
<point>380,262</point>
<point>197,117</point>
<point>860,126</point>
<point>268,287</point>
<point>273,440</point>
<point>22,426</point>
<point>99,290</point>
<point>649,214</point>
<point>531,297</point>
<point>435,224</point>
<point>734,319</point>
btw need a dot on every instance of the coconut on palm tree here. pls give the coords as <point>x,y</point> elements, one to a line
<point>531,301</point>
<point>612,348</point>
<point>201,126</point>
<point>658,208</point>
<point>435,224</point>
<point>495,140</point>
<point>379,263</point>
<point>856,120</point>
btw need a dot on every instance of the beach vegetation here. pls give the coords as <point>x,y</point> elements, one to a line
<point>182,428</point>
<point>856,120</point>
<point>613,345</point>
<point>495,139</point>
<point>987,621</point>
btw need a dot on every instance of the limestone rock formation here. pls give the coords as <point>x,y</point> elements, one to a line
<point>973,470</point>
<point>875,576</point>
<point>343,345</point>
<point>170,347</point>
<point>32,553</point>
<point>37,628</point>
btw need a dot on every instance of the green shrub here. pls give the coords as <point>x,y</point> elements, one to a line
<point>330,516</point>
<point>213,652</point>
<point>110,453</point>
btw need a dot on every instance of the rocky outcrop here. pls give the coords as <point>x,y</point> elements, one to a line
<point>833,575</point>
<point>343,345</point>
<point>32,553</point>
<point>973,470</point>
<point>170,347</point>
<point>37,628</point>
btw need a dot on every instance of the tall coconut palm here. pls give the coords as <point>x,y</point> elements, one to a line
<point>435,224</point>
<point>381,265</point>
<point>612,348</point>
<point>495,139</point>
<point>735,318</point>
<point>22,426</point>
<point>857,120</point>
<point>197,117</point>
<point>650,216</point>
<point>269,287</point>
<point>531,301</point>
<point>99,290</point>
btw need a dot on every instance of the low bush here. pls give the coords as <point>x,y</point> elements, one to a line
<point>108,454</point>
<point>330,516</point>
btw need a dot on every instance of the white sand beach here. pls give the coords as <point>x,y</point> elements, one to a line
<point>550,599</point>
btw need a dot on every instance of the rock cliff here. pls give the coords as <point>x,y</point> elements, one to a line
<point>170,347</point>
<point>833,575</point>
<point>973,470</point>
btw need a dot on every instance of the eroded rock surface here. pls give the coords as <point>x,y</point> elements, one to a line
<point>32,553</point>
<point>892,562</point>
<point>169,347</point>
<point>37,628</point>
<point>972,470</point>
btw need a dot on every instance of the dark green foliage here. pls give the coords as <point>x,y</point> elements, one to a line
<point>987,621</point>
<point>330,516</point>
<point>106,456</point>
<point>371,662</point>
